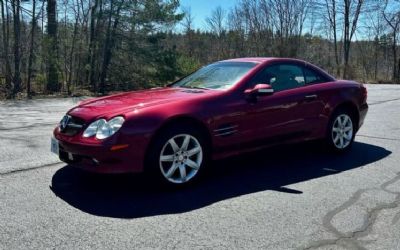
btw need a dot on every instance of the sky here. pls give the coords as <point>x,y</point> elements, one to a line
<point>201,9</point>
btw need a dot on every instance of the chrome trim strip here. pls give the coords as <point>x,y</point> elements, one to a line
<point>73,125</point>
<point>227,133</point>
<point>226,128</point>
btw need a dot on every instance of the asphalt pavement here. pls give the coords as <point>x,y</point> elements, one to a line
<point>290,197</point>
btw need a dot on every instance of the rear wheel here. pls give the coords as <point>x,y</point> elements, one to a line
<point>178,156</point>
<point>341,132</point>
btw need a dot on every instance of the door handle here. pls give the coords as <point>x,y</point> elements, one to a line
<point>310,97</point>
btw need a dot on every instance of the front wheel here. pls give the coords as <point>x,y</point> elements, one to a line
<point>177,156</point>
<point>341,132</point>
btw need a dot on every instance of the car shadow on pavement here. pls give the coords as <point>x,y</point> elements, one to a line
<point>133,196</point>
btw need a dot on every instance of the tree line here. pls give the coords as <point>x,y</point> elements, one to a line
<point>99,46</point>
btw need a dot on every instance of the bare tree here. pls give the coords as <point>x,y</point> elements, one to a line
<point>31,49</point>
<point>393,20</point>
<point>188,19</point>
<point>331,10</point>
<point>96,15</point>
<point>77,12</point>
<point>188,29</point>
<point>288,22</point>
<point>5,34</point>
<point>372,26</point>
<point>82,15</point>
<point>109,41</point>
<point>216,23</point>
<point>52,59</point>
<point>16,8</point>
<point>237,30</point>
<point>256,16</point>
<point>351,16</point>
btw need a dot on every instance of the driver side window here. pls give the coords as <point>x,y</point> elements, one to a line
<point>280,77</point>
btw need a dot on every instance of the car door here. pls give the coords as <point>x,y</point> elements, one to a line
<point>315,98</point>
<point>269,119</point>
<point>275,116</point>
<point>285,114</point>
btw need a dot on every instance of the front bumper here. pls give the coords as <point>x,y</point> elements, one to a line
<point>99,157</point>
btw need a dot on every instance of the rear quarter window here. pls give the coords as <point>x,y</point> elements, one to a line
<point>313,77</point>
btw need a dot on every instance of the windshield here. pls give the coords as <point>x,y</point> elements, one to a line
<point>221,75</point>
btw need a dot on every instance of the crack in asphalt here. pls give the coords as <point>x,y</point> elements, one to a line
<point>15,171</point>
<point>352,239</point>
<point>15,138</point>
<point>28,126</point>
<point>396,219</point>
<point>385,101</point>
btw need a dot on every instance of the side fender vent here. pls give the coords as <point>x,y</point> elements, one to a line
<point>226,130</point>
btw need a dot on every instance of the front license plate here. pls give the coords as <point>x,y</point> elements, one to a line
<point>54,146</point>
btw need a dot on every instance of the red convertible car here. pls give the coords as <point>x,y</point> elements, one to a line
<point>223,109</point>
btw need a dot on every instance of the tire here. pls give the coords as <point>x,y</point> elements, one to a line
<point>341,131</point>
<point>178,156</point>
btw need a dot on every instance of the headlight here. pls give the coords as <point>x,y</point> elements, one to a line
<point>103,129</point>
<point>92,129</point>
<point>109,128</point>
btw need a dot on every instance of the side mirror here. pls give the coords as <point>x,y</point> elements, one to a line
<point>259,90</point>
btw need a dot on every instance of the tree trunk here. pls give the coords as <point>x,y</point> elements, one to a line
<point>376,54</point>
<point>349,30</point>
<point>93,43</point>
<point>346,40</point>
<point>8,74</point>
<point>31,53</point>
<point>16,6</point>
<point>398,71</point>
<point>52,59</point>
<point>71,57</point>
<point>334,26</point>
<point>93,11</point>
<point>394,23</point>
<point>109,44</point>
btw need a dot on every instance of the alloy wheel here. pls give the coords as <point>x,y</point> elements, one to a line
<point>181,158</point>
<point>342,131</point>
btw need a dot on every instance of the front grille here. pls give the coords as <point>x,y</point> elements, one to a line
<point>71,125</point>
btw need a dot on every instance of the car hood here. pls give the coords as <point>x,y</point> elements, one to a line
<point>129,101</point>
